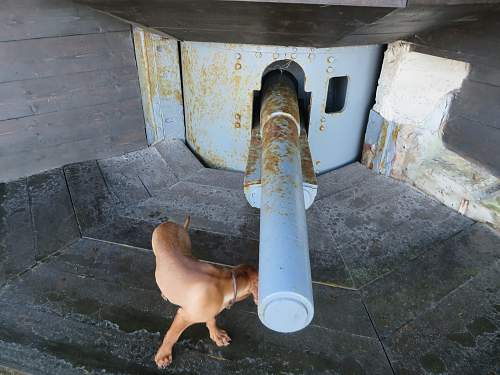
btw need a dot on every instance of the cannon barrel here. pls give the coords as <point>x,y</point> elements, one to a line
<point>285,285</point>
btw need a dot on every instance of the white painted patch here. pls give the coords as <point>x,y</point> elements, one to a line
<point>412,83</point>
<point>415,94</point>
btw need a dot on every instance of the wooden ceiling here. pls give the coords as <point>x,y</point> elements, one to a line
<point>323,23</point>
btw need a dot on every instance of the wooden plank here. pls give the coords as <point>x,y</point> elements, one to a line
<point>418,19</point>
<point>244,22</point>
<point>16,164</point>
<point>36,143</point>
<point>449,2</point>
<point>477,42</point>
<point>28,19</point>
<point>473,130</point>
<point>367,39</point>
<point>486,74</point>
<point>355,3</point>
<point>38,58</point>
<point>276,22</point>
<point>479,102</point>
<point>474,141</point>
<point>69,89</point>
<point>57,128</point>
<point>60,93</point>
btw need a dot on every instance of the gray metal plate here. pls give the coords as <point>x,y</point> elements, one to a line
<point>219,81</point>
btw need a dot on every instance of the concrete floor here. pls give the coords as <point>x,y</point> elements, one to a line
<point>402,283</point>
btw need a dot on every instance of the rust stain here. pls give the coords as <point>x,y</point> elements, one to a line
<point>306,161</point>
<point>276,132</point>
<point>141,42</point>
<point>204,78</point>
<point>368,155</point>
<point>279,96</point>
<point>395,133</point>
<point>279,118</point>
<point>254,152</point>
<point>157,60</point>
<point>381,140</point>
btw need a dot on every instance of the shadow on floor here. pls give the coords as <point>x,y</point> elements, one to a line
<point>402,283</point>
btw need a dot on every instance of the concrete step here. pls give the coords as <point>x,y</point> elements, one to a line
<point>95,308</point>
<point>362,227</point>
<point>179,157</point>
<point>427,276</point>
<point>137,175</point>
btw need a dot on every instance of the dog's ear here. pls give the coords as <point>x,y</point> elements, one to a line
<point>254,289</point>
<point>246,271</point>
<point>252,275</point>
<point>187,220</point>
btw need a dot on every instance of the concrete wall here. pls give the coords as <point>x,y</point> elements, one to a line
<point>404,137</point>
<point>473,127</point>
<point>68,87</point>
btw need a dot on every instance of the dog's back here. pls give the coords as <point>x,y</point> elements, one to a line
<point>182,279</point>
<point>172,239</point>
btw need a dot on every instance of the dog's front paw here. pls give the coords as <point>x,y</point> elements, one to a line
<point>220,337</point>
<point>163,357</point>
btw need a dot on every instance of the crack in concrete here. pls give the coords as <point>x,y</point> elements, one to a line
<point>378,336</point>
<point>11,280</point>
<point>437,303</point>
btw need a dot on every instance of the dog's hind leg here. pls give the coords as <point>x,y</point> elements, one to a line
<point>163,357</point>
<point>218,335</point>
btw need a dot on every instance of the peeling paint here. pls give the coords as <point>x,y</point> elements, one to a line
<point>252,181</point>
<point>160,81</point>
<point>406,144</point>
<point>214,91</point>
<point>379,149</point>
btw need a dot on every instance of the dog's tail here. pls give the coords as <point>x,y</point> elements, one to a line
<point>187,220</point>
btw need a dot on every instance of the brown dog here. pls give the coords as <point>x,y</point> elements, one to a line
<point>201,290</point>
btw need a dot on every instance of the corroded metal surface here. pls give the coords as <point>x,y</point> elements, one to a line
<point>280,124</point>
<point>279,100</point>
<point>252,183</point>
<point>219,81</point>
<point>278,104</point>
<point>306,161</point>
<point>218,94</point>
<point>285,289</point>
<point>160,80</point>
